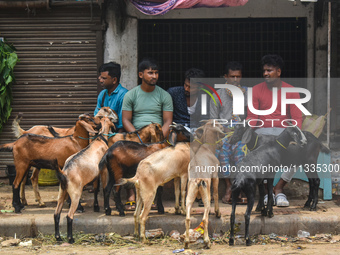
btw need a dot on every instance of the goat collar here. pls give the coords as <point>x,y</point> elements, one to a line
<point>102,138</point>
<point>90,138</point>
<point>257,138</point>
<point>281,144</point>
<point>110,135</point>
<point>140,139</point>
<point>211,143</point>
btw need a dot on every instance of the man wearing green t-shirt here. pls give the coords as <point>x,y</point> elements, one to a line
<point>145,104</point>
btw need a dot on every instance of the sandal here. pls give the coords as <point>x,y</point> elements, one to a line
<point>130,205</point>
<point>240,201</point>
<point>265,199</point>
<point>154,206</point>
<point>281,200</point>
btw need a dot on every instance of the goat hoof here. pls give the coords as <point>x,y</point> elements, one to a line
<point>186,245</point>
<point>80,209</point>
<point>161,210</point>
<point>58,239</point>
<point>108,211</point>
<point>207,245</point>
<point>312,209</point>
<point>270,214</point>
<point>231,242</point>
<point>122,213</point>
<point>71,240</point>
<point>264,213</point>
<point>248,242</point>
<point>17,209</point>
<point>96,209</point>
<point>218,214</point>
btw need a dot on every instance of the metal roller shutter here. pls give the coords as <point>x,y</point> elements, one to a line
<point>56,79</point>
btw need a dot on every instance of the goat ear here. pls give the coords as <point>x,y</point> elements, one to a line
<point>247,135</point>
<point>88,127</point>
<point>173,138</point>
<point>199,132</point>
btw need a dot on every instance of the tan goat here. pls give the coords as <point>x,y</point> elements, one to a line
<point>155,170</point>
<point>202,171</point>
<point>79,170</point>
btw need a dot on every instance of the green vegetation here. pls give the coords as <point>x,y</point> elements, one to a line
<point>8,60</point>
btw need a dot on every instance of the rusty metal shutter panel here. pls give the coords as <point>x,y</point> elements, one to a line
<point>56,78</point>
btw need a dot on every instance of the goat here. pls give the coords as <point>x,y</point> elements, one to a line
<point>39,151</point>
<point>153,171</point>
<point>268,154</point>
<point>151,133</point>
<point>52,132</point>
<point>121,161</point>
<point>207,139</point>
<point>80,169</point>
<point>295,155</point>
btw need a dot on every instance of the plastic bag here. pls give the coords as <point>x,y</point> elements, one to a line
<point>314,124</point>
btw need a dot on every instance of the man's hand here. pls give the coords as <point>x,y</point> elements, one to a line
<point>126,119</point>
<point>167,120</point>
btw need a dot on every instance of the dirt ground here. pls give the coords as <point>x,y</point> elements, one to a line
<point>164,247</point>
<point>111,243</point>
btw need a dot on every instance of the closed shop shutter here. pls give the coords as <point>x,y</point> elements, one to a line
<point>56,79</point>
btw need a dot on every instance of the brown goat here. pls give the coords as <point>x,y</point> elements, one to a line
<point>203,156</point>
<point>53,132</point>
<point>39,151</point>
<point>80,169</point>
<point>151,133</point>
<point>121,161</point>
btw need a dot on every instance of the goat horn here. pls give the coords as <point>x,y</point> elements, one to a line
<point>304,139</point>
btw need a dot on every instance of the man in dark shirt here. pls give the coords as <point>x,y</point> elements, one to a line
<point>186,100</point>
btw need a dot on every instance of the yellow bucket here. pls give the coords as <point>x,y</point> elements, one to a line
<point>47,177</point>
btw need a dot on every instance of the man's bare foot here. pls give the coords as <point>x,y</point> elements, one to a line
<point>227,197</point>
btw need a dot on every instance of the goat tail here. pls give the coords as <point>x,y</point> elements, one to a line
<point>238,183</point>
<point>103,163</point>
<point>16,129</point>
<point>8,147</point>
<point>62,179</point>
<point>123,181</point>
<point>53,132</point>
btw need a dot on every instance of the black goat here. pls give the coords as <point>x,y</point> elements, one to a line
<point>268,154</point>
<point>294,155</point>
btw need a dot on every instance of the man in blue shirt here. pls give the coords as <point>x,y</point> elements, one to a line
<point>113,92</point>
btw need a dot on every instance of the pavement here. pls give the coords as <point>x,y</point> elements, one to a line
<point>286,221</point>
